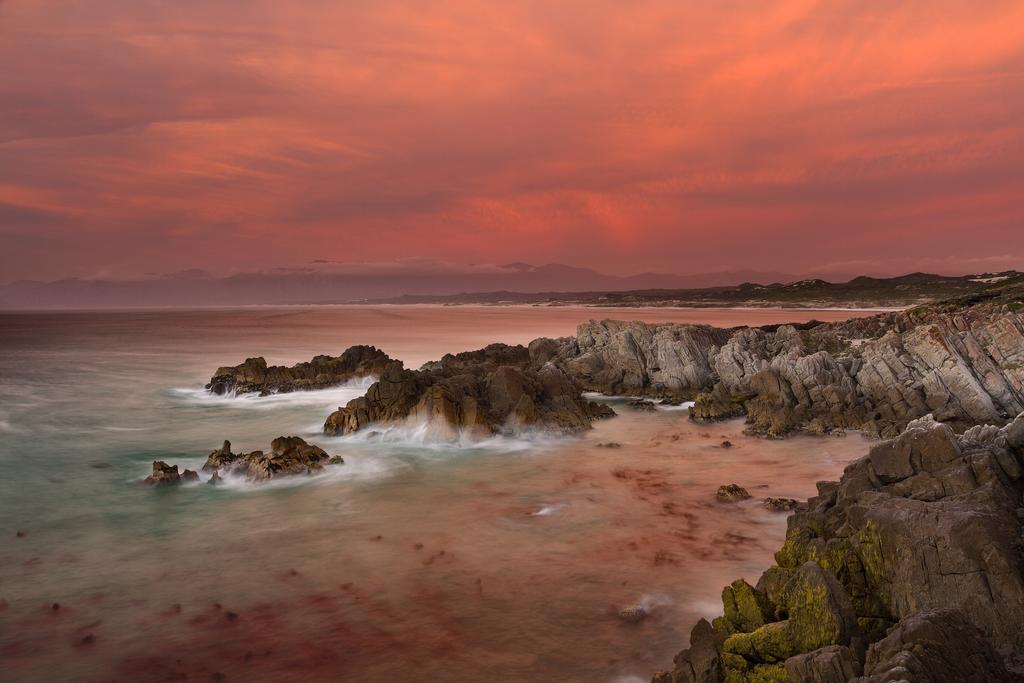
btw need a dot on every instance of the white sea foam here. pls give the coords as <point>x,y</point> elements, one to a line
<point>613,399</point>
<point>334,396</point>
<point>652,601</point>
<point>548,510</point>
<point>358,468</point>
<point>355,469</point>
<point>422,438</point>
<point>707,608</point>
<point>6,427</point>
<point>686,405</point>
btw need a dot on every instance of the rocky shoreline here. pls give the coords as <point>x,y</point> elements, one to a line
<point>910,568</point>
<point>961,360</point>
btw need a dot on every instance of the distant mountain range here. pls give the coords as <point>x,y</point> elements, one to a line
<point>859,292</point>
<point>328,282</point>
<point>424,281</point>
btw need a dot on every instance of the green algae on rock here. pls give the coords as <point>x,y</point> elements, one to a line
<point>909,568</point>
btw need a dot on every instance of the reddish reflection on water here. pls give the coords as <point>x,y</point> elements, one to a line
<point>502,563</point>
<point>489,567</point>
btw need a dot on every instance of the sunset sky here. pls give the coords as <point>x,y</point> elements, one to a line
<point>141,136</point>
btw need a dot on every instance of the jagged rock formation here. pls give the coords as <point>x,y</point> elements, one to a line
<point>319,373</point>
<point>962,361</point>
<point>163,475</point>
<point>288,455</point>
<point>910,568</point>
<point>168,475</point>
<point>475,393</point>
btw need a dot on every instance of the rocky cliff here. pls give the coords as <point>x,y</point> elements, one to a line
<point>476,393</point>
<point>254,375</point>
<point>910,568</point>
<point>961,360</point>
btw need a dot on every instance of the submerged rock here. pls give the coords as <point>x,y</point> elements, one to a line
<point>254,375</point>
<point>780,504</point>
<point>909,568</point>
<point>732,493</point>
<point>642,404</point>
<point>478,393</point>
<point>633,614</point>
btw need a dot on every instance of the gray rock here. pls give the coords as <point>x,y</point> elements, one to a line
<point>935,645</point>
<point>831,664</point>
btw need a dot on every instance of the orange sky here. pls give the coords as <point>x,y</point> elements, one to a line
<point>806,137</point>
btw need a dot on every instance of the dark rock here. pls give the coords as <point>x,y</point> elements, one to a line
<point>220,458</point>
<point>701,662</point>
<point>190,475</point>
<point>496,389</point>
<point>254,375</point>
<point>732,493</point>
<point>288,455</point>
<point>935,645</point>
<point>780,504</point>
<point>609,444</point>
<point>726,444</point>
<point>912,560</point>
<point>163,475</point>
<point>831,664</point>
<point>644,405</point>
<point>633,614</point>
<point>215,479</point>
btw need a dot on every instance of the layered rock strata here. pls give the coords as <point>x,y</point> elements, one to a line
<point>962,361</point>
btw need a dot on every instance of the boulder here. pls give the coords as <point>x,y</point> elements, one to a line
<point>732,493</point>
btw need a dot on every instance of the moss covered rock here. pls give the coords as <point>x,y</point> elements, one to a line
<point>746,608</point>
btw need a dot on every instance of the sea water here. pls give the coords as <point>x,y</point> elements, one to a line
<point>506,559</point>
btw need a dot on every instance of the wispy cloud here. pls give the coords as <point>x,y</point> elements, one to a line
<point>654,135</point>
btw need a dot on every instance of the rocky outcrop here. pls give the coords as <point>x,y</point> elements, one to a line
<point>255,376</point>
<point>909,568</point>
<point>476,393</point>
<point>288,455</point>
<point>168,475</point>
<point>962,361</point>
<point>163,475</point>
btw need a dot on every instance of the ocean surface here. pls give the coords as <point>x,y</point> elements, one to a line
<point>502,560</point>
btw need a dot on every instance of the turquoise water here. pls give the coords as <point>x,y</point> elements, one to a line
<point>501,560</point>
